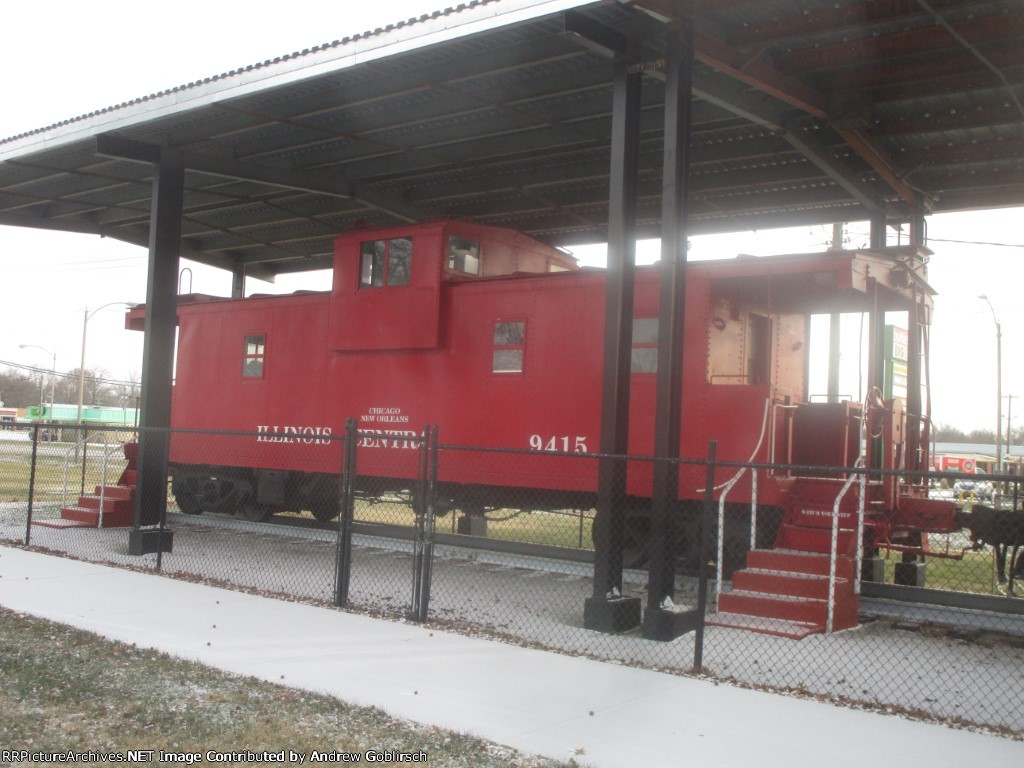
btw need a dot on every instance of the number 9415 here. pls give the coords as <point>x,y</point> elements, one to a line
<point>563,443</point>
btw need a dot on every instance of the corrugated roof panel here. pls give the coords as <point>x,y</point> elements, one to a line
<point>510,122</point>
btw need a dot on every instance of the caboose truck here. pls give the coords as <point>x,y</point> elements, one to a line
<point>497,338</point>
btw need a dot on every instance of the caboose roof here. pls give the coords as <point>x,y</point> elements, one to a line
<point>834,281</point>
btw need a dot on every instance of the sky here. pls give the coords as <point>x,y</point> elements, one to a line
<point>70,58</point>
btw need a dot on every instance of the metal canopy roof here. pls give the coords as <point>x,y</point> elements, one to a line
<point>500,111</point>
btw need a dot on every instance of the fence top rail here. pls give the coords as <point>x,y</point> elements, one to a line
<point>75,427</point>
<point>421,437</point>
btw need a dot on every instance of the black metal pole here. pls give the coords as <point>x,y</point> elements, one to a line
<point>166,209</point>
<point>158,343</point>
<point>668,410</point>
<point>606,610</point>
<point>707,521</point>
<point>618,331</point>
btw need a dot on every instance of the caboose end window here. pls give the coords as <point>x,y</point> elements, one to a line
<point>385,262</point>
<point>509,341</point>
<point>252,357</point>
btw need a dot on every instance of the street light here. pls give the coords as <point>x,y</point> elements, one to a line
<point>999,385</point>
<point>81,367</point>
<point>53,375</point>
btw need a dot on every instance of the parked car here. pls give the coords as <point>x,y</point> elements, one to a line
<point>973,487</point>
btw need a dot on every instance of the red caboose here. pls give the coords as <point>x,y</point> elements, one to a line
<point>498,339</point>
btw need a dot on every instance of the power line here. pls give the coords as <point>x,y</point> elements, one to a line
<point>975,242</point>
<point>72,376</point>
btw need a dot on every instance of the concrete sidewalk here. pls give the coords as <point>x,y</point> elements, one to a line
<point>537,702</point>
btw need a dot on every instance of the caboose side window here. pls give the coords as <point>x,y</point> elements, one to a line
<point>385,262</point>
<point>644,355</point>
<point>464,255</point>
<point>509,341</point>
<point>253,355</point>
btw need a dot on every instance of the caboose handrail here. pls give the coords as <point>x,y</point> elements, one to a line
<point>721,532</point>
<point>76,450</point>
<point>833,554</point>
<point>757,449</point>
<point>103,478</point>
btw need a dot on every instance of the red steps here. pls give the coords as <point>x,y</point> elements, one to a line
<point>789,589</point>
<point>116,501</point>
<point>111,506</point>
<point>784,591</point>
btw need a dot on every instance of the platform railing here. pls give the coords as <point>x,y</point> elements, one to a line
<point>78,452</point>
<point>103,478</point>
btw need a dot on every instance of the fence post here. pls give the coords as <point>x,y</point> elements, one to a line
<point>162,523</point>
<point>83,438</point>
<point>419,509</point>
<point>428,533</point>
<point>32,483</point>
<point>346,503</point>
<point>705,553</point>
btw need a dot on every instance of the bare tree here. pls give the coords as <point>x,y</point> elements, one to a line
<point>944,433</point>
<point>18,390</point>
<point>128,391</point>
<point>98,388</point>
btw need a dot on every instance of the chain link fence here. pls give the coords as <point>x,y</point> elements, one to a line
<point>502,543</point>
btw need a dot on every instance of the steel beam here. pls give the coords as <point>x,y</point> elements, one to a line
<point>610,527</point>
<point>158,345</point>
<point>668,409</point>
<point>595,35</point>
<point>238,282</point>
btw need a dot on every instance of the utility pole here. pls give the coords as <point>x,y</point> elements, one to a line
<point>999,384</point>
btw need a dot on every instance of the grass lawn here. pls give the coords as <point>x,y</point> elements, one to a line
<point>66,690</point>
<point>557,529</point>
<point>57,472</point>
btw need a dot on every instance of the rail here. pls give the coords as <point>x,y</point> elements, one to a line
<point>103,479</point>
<point>833,555</point>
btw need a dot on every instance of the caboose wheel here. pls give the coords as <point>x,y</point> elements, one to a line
<point>253,511</point>
<point>186,494</point>
<point>634,540</point>
<point>324,513</point>
<point>634,549</point>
